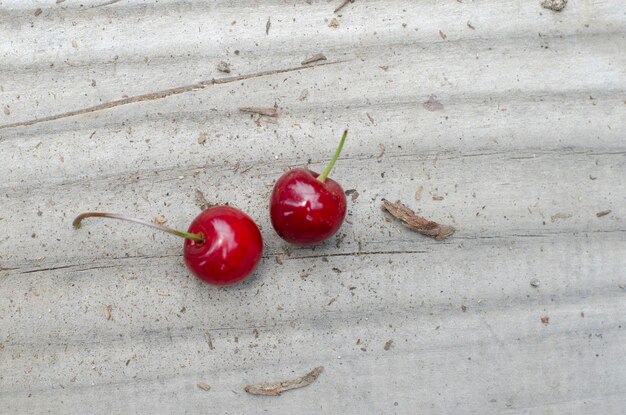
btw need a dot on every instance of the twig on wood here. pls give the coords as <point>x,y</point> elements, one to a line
<point>269,111</point>
<point>276,388</point>
<point>342,5</point>
<point>417,223</point>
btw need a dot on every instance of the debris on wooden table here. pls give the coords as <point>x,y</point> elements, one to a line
<point>437,198</point>
<point>314,58</point>
<point>334,23</point>
<point>107,312</point>
<point>417,223</point>
<point>276,388</point>
<point>268,25</point>
<point>223,67</point>
<point>545,320</point>
<point>555,5</point>
<point>418,193</point>
<point>202,137</point>
<point>201,201</point>
<point>269,111</point>
<point>470,25</point>
<point>534,282</point>
<point>560,215</point>
<point>342,5</point>
<point>442,35</point>
<point>160,220</point>
<point>388,345</point>
<point>603,213</point>
<point>432,104</point>
<point>353,194</point>
<point>203,386</point>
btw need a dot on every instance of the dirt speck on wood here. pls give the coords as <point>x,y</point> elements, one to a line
<point>223,67</point>
<point>353,194</point>
<point>545,320</point>
<point>276,388</point>
<point>388,345</point>
<point>107,312</point>
<point>334,23</point>
<point>603,213</point>
<point>417,223</point>
<point>534,282</point>
<point>268,25</point>
<point>432,104</point>
<point>442,35</point>
<point>555,5</point>
<point>202,137</point>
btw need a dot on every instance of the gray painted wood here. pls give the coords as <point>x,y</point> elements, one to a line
<point>102,106</point>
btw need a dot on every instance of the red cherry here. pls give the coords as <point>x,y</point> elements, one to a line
<point>307,208</point>
<point>222,247</point>
<point>231,249</point>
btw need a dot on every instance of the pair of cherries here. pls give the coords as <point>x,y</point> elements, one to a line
<point>223,245</point>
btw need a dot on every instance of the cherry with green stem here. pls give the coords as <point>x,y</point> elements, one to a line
<point>307,208</point>
<point>223,245</point>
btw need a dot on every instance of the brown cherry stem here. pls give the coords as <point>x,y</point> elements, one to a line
<point>193,236</point>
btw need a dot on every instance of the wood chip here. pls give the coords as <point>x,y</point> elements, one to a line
<point>279,260</point>
<point>202,137</point>
<point>388,345</point>
<point>314,58</point>
<point>107,312</point>
<point>342,5</point>
<point>223,67</point>
<point>560,215</point>
<point>74,44</point>
<point>442,35</point>
<point>269,111</point>
<point>201,201</point>
<point>437,197</point>
<point>418,193</point>
<point>334,23</point>
<point>160,220</point>
<point>417,223</point>
<point>203,386</point>
<point>603,213</point>
<point>276,388</point>
<point>555,5</point>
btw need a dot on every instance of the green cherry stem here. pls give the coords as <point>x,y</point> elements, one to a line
<point>193,236</point>
<point>322,177</point>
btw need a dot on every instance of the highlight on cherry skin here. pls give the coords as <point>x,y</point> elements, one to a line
<point>223,245</point>
<point>307,208</point>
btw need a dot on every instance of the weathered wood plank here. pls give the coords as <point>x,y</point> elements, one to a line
<point>518,122</point>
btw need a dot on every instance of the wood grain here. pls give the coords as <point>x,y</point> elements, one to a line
<point>507,123</point>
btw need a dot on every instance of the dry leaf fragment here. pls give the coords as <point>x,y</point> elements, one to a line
<point>269,111</point>
<point>417,223</point>
<point>276,388</point>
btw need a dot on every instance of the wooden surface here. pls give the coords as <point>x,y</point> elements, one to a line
<point>102,104</point>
